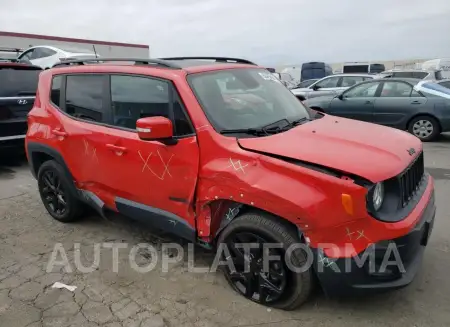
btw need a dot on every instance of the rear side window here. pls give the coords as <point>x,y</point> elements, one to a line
<point>404,74</point>
<point>396,90</point>
<point>420,75</point>
<point>348,81</point>
<point>84,97</point>
<point>56,90</point>
<point>446,84</point>
<point>18,81</point>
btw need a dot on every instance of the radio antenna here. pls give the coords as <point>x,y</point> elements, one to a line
<point>95,51</point>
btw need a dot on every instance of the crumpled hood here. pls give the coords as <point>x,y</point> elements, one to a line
<point>370,151</point>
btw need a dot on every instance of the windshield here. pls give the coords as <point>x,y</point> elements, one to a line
<point>433,89</point>
<point>245,98</point>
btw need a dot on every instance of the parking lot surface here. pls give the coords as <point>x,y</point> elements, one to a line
<point>124,297</point>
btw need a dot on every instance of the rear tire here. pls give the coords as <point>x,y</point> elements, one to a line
<point>425,128</point>
<point>291,289</point>
<point>56,191</point>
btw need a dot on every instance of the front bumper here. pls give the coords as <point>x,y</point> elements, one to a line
<point>387,265</point>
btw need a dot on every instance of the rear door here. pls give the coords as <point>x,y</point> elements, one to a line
<point>398,101</point>
<point>18,84</point>
<point>81,130</point>
<point>357,102</point>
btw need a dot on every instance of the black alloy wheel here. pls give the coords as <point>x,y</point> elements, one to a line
<point>53,193</point>
<point>58,193</point>
<point>264,285</point>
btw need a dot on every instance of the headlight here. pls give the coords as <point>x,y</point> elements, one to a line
<point>378,196</point>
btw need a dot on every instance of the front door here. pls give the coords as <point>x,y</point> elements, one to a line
<point>326,86</point>
<point>398,101</point>
<point>154,182</point>
<point>356,103</point>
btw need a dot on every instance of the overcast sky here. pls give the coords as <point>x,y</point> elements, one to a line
<point>271,32</point>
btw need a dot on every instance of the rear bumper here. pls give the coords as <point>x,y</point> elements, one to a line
<point>8,142</point>
<point>387,265</point>
<point>12,133</point>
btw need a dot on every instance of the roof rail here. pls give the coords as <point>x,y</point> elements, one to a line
<point>217,59</point>
<point>150,62</point>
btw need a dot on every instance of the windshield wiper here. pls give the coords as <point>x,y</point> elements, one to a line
<point>272,128</point>
<point>251,131</point>
<point>300,121</point>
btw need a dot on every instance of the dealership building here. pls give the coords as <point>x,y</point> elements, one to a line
<point>103,48</point>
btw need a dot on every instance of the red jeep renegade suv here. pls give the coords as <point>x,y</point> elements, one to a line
<point>218,151</point>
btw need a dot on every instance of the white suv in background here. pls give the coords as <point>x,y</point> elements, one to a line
<point>46,56</point>
<point>329,85</point>
<point>433,75</point>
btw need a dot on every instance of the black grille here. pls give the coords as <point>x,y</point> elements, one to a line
<point>410,180</point>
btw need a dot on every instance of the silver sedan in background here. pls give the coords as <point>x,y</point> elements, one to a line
<point>330,85</point>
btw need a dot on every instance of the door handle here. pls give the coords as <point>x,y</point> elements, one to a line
<point>116,148</point>
<point>368,102</point>
<point>415,102</point>
<point>59,132</point>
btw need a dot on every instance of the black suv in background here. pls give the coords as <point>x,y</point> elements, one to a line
<point>18,84</point>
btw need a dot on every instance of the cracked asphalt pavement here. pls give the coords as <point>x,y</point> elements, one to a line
<point>125,297</point>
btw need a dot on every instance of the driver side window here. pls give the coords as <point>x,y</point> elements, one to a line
<point>366,90</point>
<point>327,83</point>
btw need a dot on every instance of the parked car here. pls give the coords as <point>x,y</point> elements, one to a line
<point>439,64</point>
<point>408,104</point>
<point>46,56</point>
<point>412,73</point>
<point>18,84</point>
<point>306,83</point>
<point>330,85</point>
<point>164,141</point>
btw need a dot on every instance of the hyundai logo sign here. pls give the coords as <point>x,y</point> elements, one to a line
<point>22,101</point>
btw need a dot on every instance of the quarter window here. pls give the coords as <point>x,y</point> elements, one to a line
<point>84,97</point>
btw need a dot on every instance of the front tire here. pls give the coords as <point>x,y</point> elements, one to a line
<point>425,128</point>
<point>56,193</point>
<point>273,285</point>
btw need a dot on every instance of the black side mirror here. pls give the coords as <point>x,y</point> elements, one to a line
<point>315,87</point>
<point>340,96</point>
